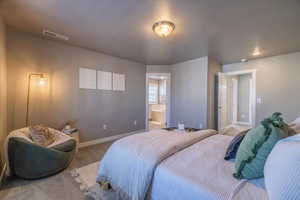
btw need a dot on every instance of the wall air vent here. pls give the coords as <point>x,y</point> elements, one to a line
<point>53,35</point>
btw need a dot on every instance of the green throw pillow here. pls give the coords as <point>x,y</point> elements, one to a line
<point>257,145</point>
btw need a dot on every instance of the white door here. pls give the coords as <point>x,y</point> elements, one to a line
<point>223,104</point>
<point>234,101</point>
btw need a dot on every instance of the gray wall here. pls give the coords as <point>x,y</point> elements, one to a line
<point>189,92</point>
<point>243,97</point>
<point>3,79</point>
<point>158,69</point>
<point>277,84</point>
<point>64,100</point>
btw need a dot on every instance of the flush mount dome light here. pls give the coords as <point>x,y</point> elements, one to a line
<point>163,28</point>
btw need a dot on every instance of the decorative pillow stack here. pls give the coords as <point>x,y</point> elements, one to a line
<point>41,135</point>
<point>234,145</point>
<point>257,145</point>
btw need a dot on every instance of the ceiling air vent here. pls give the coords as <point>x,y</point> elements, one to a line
<point>53,35</point>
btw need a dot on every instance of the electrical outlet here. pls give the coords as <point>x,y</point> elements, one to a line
<point>104,126</point>
<point>135,122</point>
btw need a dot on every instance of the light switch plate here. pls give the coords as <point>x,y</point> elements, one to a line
<point>104,126</point>
<point>259,100</point>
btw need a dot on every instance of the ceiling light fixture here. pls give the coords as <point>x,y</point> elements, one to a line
<point>256,52</point>
<point>163,28</point>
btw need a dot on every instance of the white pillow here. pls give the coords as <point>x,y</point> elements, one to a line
<point>295,125</point>
<point>282,170</point>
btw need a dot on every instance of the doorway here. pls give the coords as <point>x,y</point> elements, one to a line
<point>158,100</point>
<point>237,96</point>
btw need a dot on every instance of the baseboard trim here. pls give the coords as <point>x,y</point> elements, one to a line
<point>107,139</point>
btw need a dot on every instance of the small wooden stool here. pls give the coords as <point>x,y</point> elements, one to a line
<point>104,185</point>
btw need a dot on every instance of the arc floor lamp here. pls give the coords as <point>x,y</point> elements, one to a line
<point>42,80</point>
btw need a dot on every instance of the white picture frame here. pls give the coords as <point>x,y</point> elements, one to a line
<point>87,78</point>
<point>118,82</point>
<point>104,80</point>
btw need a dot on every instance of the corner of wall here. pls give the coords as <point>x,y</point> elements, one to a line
<point>214,67</point>
<point>3,89</point>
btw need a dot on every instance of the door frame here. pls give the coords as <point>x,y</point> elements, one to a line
<point>168,97</point>
<point>252,97</point>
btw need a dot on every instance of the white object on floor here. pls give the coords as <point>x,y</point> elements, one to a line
<point>180,126</point>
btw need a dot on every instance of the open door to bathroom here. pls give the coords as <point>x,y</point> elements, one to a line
<point>157,100</point>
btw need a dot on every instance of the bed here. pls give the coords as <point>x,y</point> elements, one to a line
<point>200,172</point>
<point>168,165</point>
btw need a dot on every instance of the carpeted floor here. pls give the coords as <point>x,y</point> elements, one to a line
<point>58,187</point>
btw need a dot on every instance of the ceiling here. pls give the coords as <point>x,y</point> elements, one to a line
<point>227,30</point>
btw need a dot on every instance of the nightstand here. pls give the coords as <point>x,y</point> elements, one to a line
<point>75,136</point>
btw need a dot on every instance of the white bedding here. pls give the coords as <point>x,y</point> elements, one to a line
<point>129,164</point>
<point>200,172</point>
<point>252,190</point>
